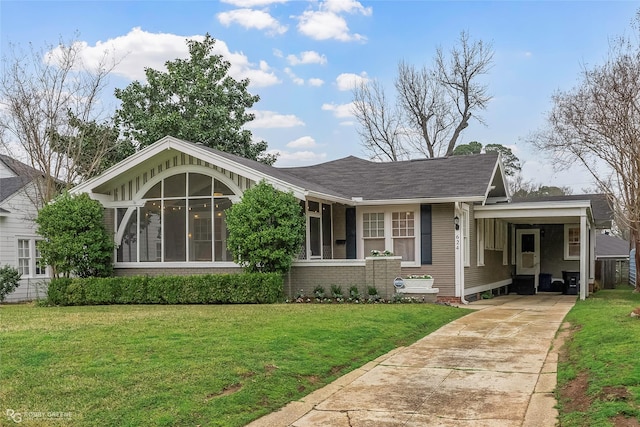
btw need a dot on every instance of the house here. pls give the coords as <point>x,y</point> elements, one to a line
<point>452,218</point>
<point>18,238</point>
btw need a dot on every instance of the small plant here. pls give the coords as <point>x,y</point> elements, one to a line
<point>319,292</point>
<point>373,294</point>
<point>9,281</point>
<point>300,294</point>
<point>375,252</point>
<point>354,293</point>
<point>336,291</point>
<point>420,276</point>
<point>487,295</point>
<point>398,297</point>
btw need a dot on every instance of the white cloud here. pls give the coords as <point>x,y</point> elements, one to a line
<point>303,142</point>
<point>341,111</point>
<point>320,25</point>
<point>307,57</point>
<point>315,81</point>
<point>348,6</point>
<point>286,158</point>
<point>271,119</point>
<point>249,18</point>
<point>253,3</point>
<point>278,53</point>
<point>297,80</point>
<point>139,49</point>
<point>348,81</point>
<point>327,21</point>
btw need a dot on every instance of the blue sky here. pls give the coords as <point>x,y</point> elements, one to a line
<point>303,56</point>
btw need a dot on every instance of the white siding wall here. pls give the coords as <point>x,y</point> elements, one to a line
<point>20,224</point>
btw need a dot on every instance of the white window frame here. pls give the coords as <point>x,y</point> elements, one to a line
<point>567,227</point>
<point>32,258</point>
<point>388,211</point>
<point>403,216</point>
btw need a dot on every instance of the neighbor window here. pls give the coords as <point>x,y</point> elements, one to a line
<point>30,259</point>
<point>571,241</point>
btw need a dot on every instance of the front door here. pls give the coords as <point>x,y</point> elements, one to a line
<point>528,253</point>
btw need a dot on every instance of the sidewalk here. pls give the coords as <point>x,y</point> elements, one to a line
<point>490,368</point>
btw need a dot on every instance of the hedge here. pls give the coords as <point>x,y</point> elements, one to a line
<point>245,288</point>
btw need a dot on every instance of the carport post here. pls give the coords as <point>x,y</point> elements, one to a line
<point>584,252</point>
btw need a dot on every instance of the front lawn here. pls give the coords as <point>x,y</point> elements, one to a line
<point>209,365</point>
<point>599,371</point>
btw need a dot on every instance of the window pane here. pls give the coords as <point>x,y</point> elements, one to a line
<point>373,244</point>
<point>175,230</point>
<point>221,189</point>
<point>175,186</point>
<point>200,229</point>
<point>150,237</point>
<point>154,192</point>
<point>221,233</point>
<point>23,257</point>
<point>129,244</point>
<point>405,248</point>
<point>199,184</point>
<point>314,206</point>
<point>314,236</point>
<point>41,269</point>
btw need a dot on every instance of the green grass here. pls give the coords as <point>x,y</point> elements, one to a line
<point>209,365</point>
<point>604,350</point>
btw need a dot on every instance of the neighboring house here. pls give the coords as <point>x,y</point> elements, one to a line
<point>450,217</point>
<point>612,260</point>
<point>18,238</point>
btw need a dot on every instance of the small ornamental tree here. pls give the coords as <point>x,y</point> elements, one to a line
<point>9,280</point>
<point>266,229</point>
<point>75,239</point>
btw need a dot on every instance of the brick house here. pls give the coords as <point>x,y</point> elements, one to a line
<point>452,218</point>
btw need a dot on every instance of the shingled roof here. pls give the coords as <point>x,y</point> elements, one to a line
<point>349,177</point>
<point>445,177</point>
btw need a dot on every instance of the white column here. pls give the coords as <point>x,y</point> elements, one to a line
<point>584,248</point>
<point>592,253</point>
<point>458,254</point>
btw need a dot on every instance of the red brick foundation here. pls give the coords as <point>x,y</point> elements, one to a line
<point>450,300</point>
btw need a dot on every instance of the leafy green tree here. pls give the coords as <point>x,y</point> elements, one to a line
<point>474,147</point>
<point>266,229</point>
<point>75,239</point>
<point>509,160</point>
<point>195,100</point>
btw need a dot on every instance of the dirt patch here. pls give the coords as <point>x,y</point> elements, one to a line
<point>574,394</point>
<point>336,369</point>
<point>622,421</point>
<point>614,394</point>
<point>230,389</point>
<point>270,368</point>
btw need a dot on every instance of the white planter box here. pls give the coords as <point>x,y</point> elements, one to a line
<point>418,283</point>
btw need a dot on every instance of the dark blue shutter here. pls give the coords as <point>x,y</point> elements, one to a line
<point>426,244</point>
<point>351,232</point>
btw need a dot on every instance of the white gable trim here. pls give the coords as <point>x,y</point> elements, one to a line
<point>169,142</point>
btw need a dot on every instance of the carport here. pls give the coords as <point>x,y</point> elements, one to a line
<point>554,235</point>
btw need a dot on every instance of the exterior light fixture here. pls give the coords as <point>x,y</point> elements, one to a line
<point>456,222</point>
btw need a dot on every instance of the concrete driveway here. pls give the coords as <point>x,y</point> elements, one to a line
<point>492,368</point>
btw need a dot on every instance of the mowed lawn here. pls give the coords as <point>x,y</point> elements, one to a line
<point>599,371</point>
<point>209,365</point>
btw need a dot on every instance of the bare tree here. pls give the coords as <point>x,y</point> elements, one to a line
<point>380,124</point>
<point>595,124</point>
<point>45,96</point>
<point>433,105</point>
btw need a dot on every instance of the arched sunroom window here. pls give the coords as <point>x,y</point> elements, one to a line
<point>182,219</point>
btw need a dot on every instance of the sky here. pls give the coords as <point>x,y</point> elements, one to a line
<point>303,58</point>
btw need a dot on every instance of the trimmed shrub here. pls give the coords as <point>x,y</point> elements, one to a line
<point>9,280</point>
<point>248,288</point>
